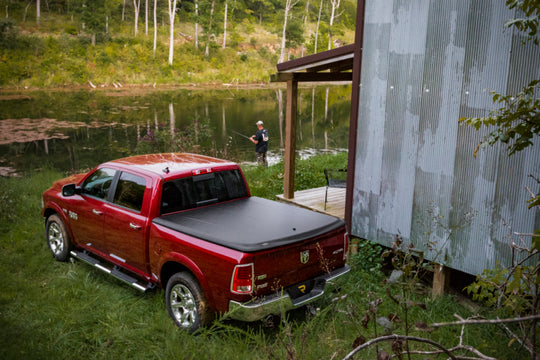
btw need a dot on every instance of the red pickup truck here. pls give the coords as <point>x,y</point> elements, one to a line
<point>189,224</point>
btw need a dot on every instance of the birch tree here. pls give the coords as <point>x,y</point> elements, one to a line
<point>225,25</point>
<point>172,12</point>
<point>137,8</point>
<point>146,17</point>
<point>209,30</point>
<point>155,26</point>
<point>317,29</point>
<point>196,23</point>
<point>335,6</point>
<point>289,5</point>
<point>38,11</point>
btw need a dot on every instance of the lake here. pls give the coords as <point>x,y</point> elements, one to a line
<point>76,130</point>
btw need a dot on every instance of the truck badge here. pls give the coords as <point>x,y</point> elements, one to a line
<point>304,256</point>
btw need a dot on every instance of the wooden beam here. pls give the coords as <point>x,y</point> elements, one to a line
<point>311,77</point>
<point>290,139</point>
<point>441,280</point>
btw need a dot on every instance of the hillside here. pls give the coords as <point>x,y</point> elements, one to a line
<point>67,48</point>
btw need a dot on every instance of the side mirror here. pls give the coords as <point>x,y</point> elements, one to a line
<point>70,190</point>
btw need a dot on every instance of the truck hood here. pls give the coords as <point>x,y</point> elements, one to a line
<point>252,224</point>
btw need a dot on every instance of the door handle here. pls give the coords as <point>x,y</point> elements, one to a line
<point>97,212</point>
<point>134,226</point>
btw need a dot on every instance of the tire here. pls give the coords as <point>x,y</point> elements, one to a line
<point>186,303</point>
<point>57,238</point>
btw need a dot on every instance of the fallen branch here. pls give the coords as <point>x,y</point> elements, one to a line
<point>399,337</point>
<point>486,321</point>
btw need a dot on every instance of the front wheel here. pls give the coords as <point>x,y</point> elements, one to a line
<point>185,302</point>
<point>57,238</point>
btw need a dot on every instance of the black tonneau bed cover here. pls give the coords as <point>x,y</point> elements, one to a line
<point>251,224</point>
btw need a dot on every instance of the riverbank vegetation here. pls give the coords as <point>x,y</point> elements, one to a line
<point>51,310</point>
<point>117,44</point>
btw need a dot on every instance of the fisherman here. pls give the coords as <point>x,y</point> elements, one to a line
<point>260,139</point>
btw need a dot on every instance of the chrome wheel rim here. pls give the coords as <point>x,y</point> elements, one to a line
<point>55,238</point>
<point>183,305</point>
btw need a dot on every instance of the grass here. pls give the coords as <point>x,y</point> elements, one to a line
<point>51,310</point>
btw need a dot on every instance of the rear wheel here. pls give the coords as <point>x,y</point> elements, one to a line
<point>185,302</point>
<point>57,238</point>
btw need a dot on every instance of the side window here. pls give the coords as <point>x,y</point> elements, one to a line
<point>99,183</point>
<point>130,191</point>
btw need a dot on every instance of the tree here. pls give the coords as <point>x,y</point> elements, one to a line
<point>289,5</point>
<point>172,12</point>
<point>155,26</point>
<point>93,15</point>
<point>209,29</point>
<point>335,6</point>
<point>137,8</point>
<point>225,25</point>
<point>317,30</point>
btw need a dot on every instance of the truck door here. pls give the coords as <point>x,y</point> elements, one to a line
<point>125,224</point>
<point>87,222</point>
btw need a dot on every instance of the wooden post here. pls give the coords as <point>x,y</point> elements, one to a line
<point>441,280</point>
<point>290,139</point>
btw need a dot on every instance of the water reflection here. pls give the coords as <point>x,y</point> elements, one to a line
<point>71,131</point>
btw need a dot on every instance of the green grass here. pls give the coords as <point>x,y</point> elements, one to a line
<point>51,310</point>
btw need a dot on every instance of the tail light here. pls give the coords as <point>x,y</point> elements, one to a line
<point>242,279</point>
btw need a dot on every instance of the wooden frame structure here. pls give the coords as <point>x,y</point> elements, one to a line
<point>328,66</point>
<point>331,65</point>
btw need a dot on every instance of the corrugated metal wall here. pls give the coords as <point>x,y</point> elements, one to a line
<point>426,64</point>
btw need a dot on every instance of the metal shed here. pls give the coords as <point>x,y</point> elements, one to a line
<point>426,64</point>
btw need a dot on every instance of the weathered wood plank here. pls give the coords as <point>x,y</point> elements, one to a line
<point>313,199</point>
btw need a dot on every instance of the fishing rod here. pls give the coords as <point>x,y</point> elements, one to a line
<point>242,135</point>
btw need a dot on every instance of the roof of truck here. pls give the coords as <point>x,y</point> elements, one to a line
<point>170,164</point>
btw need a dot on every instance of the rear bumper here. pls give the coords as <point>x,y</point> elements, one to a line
<point>280,302</point>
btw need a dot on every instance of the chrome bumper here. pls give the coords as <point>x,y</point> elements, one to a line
<point>280,302</point>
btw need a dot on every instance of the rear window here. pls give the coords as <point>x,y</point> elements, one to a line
<point>200,190</point>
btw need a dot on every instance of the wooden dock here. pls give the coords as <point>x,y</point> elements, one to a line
<point>313,199</point>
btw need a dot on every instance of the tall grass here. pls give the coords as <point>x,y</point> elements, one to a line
<point>51,310</point>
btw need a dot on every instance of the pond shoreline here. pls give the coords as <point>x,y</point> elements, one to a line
<point>17,93</point>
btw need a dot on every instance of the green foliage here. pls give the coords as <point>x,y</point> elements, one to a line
<point>368,257</point>
<point>518,120</point>
<point>528,24</point>
<point>8,34</point>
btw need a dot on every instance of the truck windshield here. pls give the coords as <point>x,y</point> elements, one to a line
<point>191,192</point>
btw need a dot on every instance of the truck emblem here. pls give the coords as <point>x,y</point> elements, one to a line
<point>304,256</point>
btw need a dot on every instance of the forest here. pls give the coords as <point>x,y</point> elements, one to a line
<point>114,43</point>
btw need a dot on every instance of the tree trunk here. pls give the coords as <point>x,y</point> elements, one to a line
<point>335,6</point>
<point>172,12</point>
<point>155,26</point>
<point>146,17</point>
<point>317,30</point>
<point>207,50</point>
<point>137,8</point>
<point>288,7</point>
<point>38,11</point>
<point>225,26</point>
<point>197,24</point>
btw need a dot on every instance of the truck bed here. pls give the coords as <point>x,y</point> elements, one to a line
<point>239,224</point>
